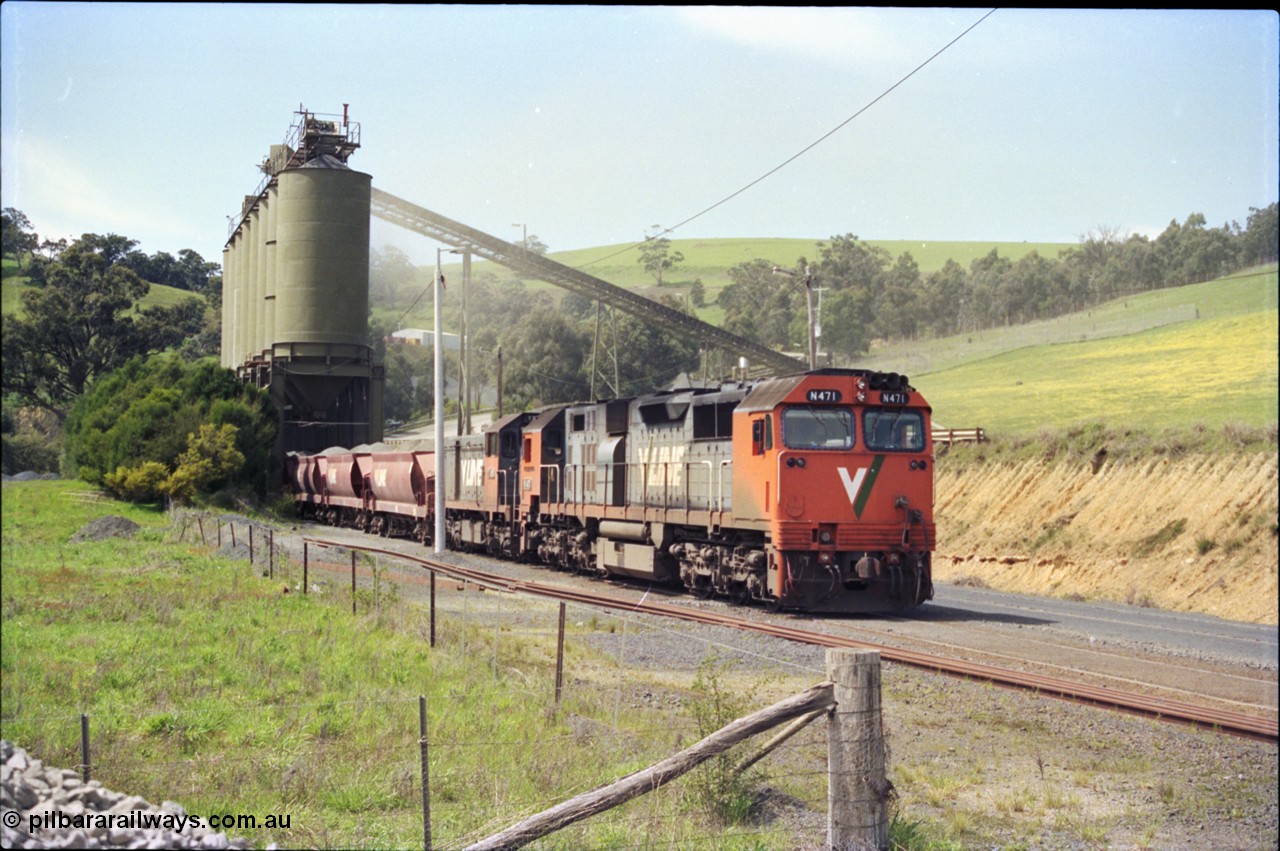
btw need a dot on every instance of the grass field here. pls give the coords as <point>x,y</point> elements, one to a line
<point>14,285</point>
<point>1214,363</point>
<point>209,684</point>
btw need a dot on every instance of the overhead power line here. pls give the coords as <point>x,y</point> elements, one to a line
<point>803,150</point>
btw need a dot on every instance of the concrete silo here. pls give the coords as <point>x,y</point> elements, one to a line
<point>298,271</point>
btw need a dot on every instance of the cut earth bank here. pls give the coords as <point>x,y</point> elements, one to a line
<point>1195,532</point>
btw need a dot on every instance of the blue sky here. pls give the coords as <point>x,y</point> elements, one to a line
<point>592,124</point>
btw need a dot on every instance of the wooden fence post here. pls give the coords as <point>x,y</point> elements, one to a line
<point>426,783</point>
<point>84,746</point>
<point>433,608</point>
<point>304,567</point>
<point>857,791</point>
<point>353,582</point>
<point>560,657</point>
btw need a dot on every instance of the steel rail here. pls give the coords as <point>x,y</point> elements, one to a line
<point>1235,723</point>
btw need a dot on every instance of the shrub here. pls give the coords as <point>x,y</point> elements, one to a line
<point>148,409</point>
<point>143,483</point>
<point>211,457</point>
<point>29,451</point>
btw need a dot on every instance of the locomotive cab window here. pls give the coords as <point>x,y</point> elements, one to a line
<point>813,427</point>
<point>893,430</point>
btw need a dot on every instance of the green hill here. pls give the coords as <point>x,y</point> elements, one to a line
<point>709,260</point>
<point>14,285</point>
<point>1199,354</point>
<point>1204,354</point>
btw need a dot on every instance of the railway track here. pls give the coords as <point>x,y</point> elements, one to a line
<point>1160,708</point>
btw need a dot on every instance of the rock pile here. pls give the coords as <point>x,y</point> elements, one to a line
<point>106,527</point>
<point>54,808</point>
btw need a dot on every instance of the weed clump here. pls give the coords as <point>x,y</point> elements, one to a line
<point>725,793</point>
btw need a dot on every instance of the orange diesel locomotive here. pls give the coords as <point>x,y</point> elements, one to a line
<point>811,492</point>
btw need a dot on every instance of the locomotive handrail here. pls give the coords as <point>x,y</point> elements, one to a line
<point>724,462</point>
<point>556,468</point>
<point>572,488</point>
<point>502,490</point>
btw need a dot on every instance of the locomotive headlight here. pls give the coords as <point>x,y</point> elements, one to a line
<point>862,384</point>
<point>862,397</point>
<point>824,536</point>
<point>824,558</point>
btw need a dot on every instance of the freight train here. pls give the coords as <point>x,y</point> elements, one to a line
<point>811,492</point>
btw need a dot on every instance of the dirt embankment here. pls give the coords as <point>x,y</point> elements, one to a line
<point>1195,533</point>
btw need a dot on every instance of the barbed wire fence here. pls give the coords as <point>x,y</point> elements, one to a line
<point>620,696</point>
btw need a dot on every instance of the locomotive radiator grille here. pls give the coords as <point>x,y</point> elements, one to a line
<point>863,536</point>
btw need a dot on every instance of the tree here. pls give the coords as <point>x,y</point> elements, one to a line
<point>1261,235</point>
<point>547,354</point>
<point>759,305</point>
<point>16,236</point>
<point>898,307</point>
<point>650,356</point>
<point>149,409</point>
<point>390,272</point>
<point>78,328</point>
<point>199,275</point>
<point>698,293</point>
<point>656,255</point>
<point>946,297</point>
<point>534,245</point>
<point>987,275</point>
<point>847,262</point>
<point>847,322</point>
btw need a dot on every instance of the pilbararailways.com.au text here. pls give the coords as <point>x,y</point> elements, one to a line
<point>143,820</point>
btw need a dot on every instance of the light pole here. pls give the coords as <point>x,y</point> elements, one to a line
<point>807,277</point>
<point>817,331</point>
<point>524,234</point>
<point>438,353</point>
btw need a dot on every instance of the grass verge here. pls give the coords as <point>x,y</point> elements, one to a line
<point>211,685</point>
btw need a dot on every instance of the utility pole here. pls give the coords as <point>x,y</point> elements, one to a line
<point>499,382</point>
<point>807,279</point>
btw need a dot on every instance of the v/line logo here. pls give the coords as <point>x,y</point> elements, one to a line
<point>858,486</point>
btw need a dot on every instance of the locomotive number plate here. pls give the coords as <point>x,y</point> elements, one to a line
<point>823,395</point>
<point>891,397</point>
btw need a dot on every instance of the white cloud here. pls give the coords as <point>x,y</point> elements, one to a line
<point>845,36</point>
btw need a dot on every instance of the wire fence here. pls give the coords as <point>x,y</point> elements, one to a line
<point>509,730</point>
